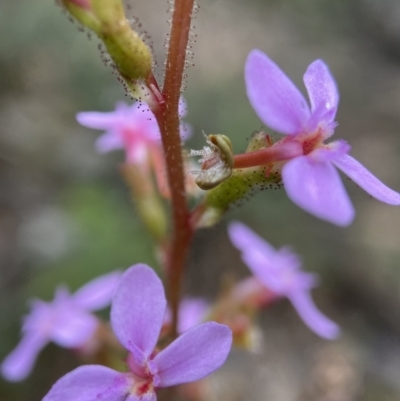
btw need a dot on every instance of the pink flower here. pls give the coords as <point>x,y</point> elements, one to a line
<point>137,314</point>
<point>311,179</point>
<point>135,129</point>
<point>279,270</point>
<point>66,320</point>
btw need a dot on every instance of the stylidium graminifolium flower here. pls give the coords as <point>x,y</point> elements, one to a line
<point>310,179</point>
<point>67,321</point>
<point>130,127</point>
<point>134,128</point>
<point>137,315</point>
<point>280,271</point>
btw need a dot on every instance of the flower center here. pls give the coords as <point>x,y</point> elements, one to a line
<point>142,388</point>
<point>311,141</point>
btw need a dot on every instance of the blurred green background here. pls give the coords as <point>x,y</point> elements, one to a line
<point>65,214</point>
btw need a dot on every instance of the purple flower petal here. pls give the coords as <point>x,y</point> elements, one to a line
<point>192,356</point>
<point>274,97</point>
<point>138,308</point>
<point>280,275</point>
<point>322,89</point>
<point>18,364</point>
<point>367,181</point>
<point>90,383</point>
<point>97,294</point>
<point>312,317</point>
<point>248,241</point>
<point>109,141</point>
<point>192,311</point>
<point>71,327</point>
<point>316,187</point>
<point>97,119</point>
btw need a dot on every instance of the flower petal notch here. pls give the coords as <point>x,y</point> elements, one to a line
<point>67,321</point>
<point>280,272</point>
<point>310,178</point>
<point>137,315</point>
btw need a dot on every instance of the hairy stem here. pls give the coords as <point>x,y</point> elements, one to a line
<point>278,152</point>
<point>168,119</point>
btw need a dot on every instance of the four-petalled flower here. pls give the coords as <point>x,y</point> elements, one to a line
<point>279,270</point>
<point>311,179</point>
<point>137,315</point>
<point>67,321</point>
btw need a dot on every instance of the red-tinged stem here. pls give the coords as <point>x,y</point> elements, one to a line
<point>168,120</point>
<point>278,152</point>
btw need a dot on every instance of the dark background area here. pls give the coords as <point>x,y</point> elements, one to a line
<point>65,214</point>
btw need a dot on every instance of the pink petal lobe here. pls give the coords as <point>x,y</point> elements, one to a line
<point>322,89</point>
<point>90,383</point>
<point>98,293</point>
<point>312,317</point>
<point>192,356</point>
<point>316,187</point>
<point>247,241</point>
<point>109,141</point>
<point>274,97</point>
<point>19,363</point>
<point>97,120</point>
<point>138,308</point>
<point>367,181</point>
<point>72,327</point>
<point>192,311</point>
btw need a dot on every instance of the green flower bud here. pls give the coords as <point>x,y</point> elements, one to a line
<point>107,19</point>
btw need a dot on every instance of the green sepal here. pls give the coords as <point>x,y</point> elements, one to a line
<point>240,184</point>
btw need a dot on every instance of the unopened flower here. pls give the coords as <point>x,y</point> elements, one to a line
<point>67,321</point>
<point>280,271</point>
<point>311,179</point>
<point>137,315</point>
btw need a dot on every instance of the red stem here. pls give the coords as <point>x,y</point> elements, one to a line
<point>168,120</point>
<point>278,152</point>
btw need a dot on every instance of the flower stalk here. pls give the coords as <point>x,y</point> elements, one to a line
<point>168,119</point>
<point>276,153</point>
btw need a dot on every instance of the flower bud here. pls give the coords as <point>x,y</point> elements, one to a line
<point>106,18</point>
<point>81,10</point>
